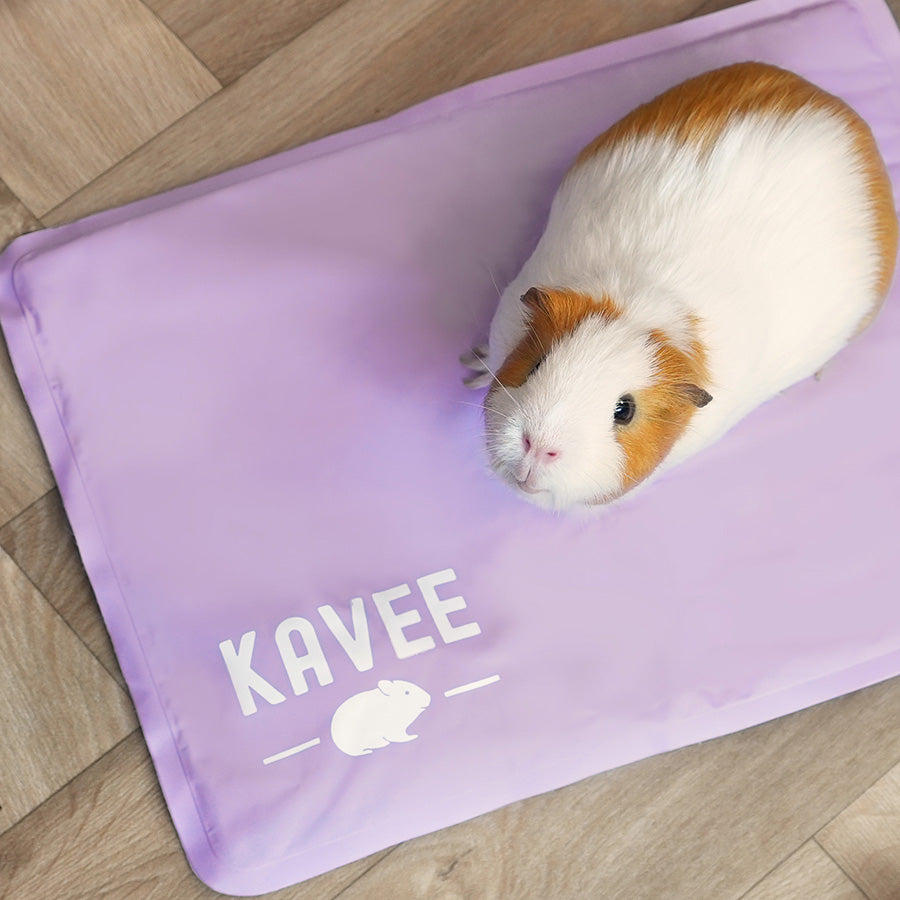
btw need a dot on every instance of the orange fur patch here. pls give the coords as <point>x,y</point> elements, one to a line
<point>698,110</point>
<point>552,315</point>
<point>663,410</point>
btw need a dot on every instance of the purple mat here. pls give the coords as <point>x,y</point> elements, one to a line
<point>339,630</point>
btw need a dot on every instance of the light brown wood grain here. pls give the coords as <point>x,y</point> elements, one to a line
<point>809,874</point>
<point>364,61</point>
<point>81,86</point>
<point>15,218</point>
<point>232,36</point>
<point>703,823</point>
<point>24,472</point>
<point>108,835</point>
<point>59,707</point>
<point>865,839</point>
<point>40,541</point>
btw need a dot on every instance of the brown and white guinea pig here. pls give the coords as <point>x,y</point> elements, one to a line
<point>716,245</point>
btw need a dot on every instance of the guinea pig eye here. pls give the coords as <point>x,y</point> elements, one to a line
<point>536,366</point>
<point>625,409</point>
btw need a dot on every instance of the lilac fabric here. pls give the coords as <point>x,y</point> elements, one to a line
<point>250,396</point>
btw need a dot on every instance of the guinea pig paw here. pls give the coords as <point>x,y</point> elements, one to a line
<point>475,358</point>
<point>478,380</point>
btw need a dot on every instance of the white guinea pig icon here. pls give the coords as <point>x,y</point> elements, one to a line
<point>376,718</point>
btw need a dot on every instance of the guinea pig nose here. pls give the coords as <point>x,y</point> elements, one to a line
<point>537,451</point>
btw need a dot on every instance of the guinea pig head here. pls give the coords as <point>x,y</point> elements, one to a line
<point>588,403</point>
<point>405,692</point>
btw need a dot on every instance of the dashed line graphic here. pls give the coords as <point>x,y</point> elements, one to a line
<point>376,718</point>
<point>471,686</point>
<point>291,751</point>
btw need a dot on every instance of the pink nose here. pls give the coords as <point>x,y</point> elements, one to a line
<point>539,452</point>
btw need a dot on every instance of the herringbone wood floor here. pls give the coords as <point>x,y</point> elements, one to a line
<point>103,101</point>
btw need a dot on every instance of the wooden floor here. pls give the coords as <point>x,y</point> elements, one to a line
<point>103,101</point>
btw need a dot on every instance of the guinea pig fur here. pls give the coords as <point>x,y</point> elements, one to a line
<point>716,245</point>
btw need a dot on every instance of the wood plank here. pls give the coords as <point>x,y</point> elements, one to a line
<point>232,37</point>
<point>708,821</point>
<point>865,839</point>
<point>109,835</point>
<point>59,708</point>
<point>41,543</point>
<point>15,218</point>
<point>364,61</point>
<point>24,473</point>
<point>81,86</point>
<point>809,874</point>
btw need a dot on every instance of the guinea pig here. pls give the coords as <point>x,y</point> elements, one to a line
<point>713,247</point>
<point>373,719</point>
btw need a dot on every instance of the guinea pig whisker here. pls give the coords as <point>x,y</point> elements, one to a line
<point>467,403</point>
<point>493,280</point>
<point>540,343</point>
<point>500,413</point>
<point>508,417</point>
<point>493,375</point>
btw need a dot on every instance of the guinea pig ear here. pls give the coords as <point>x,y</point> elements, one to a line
<point>535,299</point>
<point>695,394</point>
<point>385,686</point>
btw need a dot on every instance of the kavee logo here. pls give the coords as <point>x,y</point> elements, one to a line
<point>373,719</point>
<point>414,623</point>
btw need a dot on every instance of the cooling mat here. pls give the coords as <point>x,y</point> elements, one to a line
<point>340,631</point>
